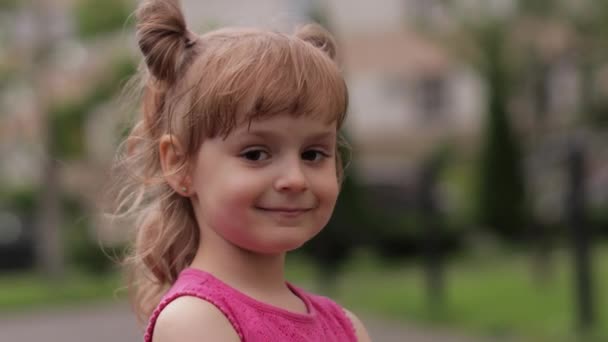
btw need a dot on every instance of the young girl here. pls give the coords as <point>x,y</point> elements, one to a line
<point>233,163</point>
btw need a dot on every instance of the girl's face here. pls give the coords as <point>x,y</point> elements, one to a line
<point>269,186</point>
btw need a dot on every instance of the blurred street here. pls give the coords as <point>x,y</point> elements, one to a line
<point>114,322</point>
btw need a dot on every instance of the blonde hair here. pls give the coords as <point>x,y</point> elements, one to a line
<point>197,87</point>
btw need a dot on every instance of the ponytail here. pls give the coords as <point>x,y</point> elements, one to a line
<point>167,235</point>
<point>164,40</point>
<point>319,37</point>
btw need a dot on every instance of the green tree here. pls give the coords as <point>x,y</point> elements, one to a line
<point>96,17</point>
<point>502,196</point>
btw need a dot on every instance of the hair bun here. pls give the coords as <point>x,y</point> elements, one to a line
<point>163,38</point>
<point>319,37</point>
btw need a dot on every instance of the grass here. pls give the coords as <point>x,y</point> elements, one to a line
<point>493,295</point>
<point>27,290</point>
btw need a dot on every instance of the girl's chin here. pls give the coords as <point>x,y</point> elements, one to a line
<point>274,248</point>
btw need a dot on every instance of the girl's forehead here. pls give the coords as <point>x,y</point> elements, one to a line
<point>291,122</point>
<point>286,125</point>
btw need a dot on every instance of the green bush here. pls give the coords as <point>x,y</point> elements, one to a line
<point>20,200</point>
<point>97,17</point>
<point>84,250</point>
<point>8,4</point>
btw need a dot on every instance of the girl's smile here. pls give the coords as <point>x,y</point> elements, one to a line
<point>286,213</point>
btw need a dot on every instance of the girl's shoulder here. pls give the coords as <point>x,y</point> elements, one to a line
<point>188,318</point>
<point>191,307</point>
<point>360,330</point>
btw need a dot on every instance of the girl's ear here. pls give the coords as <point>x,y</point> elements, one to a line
<point>174,164</point>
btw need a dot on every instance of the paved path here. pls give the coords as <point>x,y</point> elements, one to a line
<point>114,323</point>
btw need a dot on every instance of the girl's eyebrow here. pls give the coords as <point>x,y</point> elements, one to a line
<point>262,133</point>
<point>322,136</point>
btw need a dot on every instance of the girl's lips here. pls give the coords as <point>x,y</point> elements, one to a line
<point>285,212</point>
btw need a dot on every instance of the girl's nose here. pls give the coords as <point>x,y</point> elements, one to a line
<point>292,178</point>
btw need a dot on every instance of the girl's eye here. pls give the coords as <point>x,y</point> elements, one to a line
<point>313,155</point>
<point>255,155</point>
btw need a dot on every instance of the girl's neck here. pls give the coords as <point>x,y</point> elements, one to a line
<point>249,272</point>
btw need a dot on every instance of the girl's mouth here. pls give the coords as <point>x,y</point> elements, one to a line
<point>285,211</point>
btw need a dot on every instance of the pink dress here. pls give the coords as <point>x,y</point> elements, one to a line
<point>255,321</point>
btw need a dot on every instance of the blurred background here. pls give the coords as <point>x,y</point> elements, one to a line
<point>475,206</point>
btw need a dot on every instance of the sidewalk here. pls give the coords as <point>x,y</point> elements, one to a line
<point>114,322</point>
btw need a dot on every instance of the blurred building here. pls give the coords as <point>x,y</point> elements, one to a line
<point>409,94</point>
